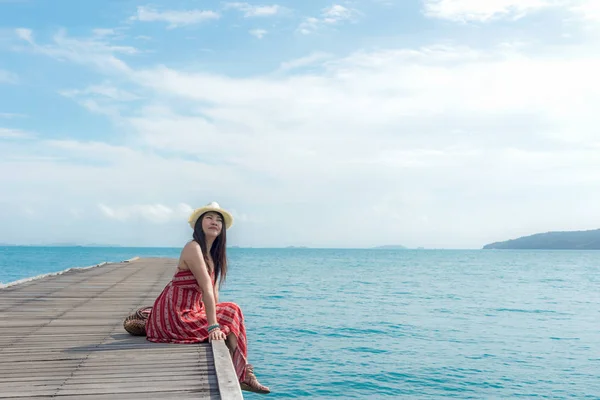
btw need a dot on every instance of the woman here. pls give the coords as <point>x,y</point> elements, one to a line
<point>188,309</point>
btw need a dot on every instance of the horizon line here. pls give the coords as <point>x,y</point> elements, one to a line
<point>290,247</point>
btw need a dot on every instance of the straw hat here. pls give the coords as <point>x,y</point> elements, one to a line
<point>214,206</point>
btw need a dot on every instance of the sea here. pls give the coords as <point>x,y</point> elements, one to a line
<point>398,324</point>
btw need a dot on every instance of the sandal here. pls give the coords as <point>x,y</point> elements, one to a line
<point>251,384</point>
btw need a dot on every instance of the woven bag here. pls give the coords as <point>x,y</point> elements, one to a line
<point>135,324</point>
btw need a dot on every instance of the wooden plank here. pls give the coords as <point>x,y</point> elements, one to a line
<point>131,393</point>
<point>111,366</point>
<point>172,395</point>
<point>62,336</point>
<point>147,375</point>
<point>229,386</point>
<point>102,378</point>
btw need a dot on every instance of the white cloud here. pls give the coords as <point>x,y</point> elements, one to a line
<point>55,177</point>
<point>25,34</point>
<point>8,77</point>
<point>311,59</point>
<point>387,3</point>
<point>330,16</point>
<point>155,213</point>
<point>587,9</point>
<point>477,10</point>
<point>309,25</point>
<point>430,109</point>
<point>173,17</point>
<point>259,33</point>
<point>104,90</point>
<point>485,11</point>
<point>96,51</point>
<point>8,133</point>
<point>254,10</point>
<point>11,115</point>
<point>337,13</point>
<point>103,32</point>
<point>439,145</point>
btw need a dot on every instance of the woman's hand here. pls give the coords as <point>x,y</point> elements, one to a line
<point>217,334</point>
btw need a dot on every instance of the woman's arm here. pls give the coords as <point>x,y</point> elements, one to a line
<point>216,292</point>
<point>195,261</point>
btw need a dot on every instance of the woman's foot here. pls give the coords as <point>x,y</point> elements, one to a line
<point>251,384</point>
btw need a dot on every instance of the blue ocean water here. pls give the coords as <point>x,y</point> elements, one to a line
<point>20,262</point>
<point>422,324</point>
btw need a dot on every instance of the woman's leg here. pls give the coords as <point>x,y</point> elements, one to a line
<point>231,343</point>
<point>231,317</point>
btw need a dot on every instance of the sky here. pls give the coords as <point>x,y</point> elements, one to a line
<point>425,123</point>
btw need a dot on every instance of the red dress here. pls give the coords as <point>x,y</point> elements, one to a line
<point>179,316</point>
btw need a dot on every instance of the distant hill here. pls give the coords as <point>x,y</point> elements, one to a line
<point>563,240</point>
<point>390,247</point>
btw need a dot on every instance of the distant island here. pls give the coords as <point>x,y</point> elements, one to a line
<point>390,247</point>
<point>559,240</point>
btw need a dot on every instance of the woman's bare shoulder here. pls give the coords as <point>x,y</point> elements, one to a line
<point>190,247</point>
<point>191,251</point>
<point>188,252</point>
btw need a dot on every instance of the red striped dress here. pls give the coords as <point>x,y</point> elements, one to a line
<point>179,316</point>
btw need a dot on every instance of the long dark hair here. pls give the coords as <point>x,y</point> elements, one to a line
<point>218,251</point>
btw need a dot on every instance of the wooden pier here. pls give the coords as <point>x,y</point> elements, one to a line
<point>62,337</point>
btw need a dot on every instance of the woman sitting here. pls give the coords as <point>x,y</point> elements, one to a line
<point>188,309</point>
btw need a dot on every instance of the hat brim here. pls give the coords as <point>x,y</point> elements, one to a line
<point>197,213</point>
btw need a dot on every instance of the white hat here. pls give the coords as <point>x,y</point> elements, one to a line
<point>214,206</point>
